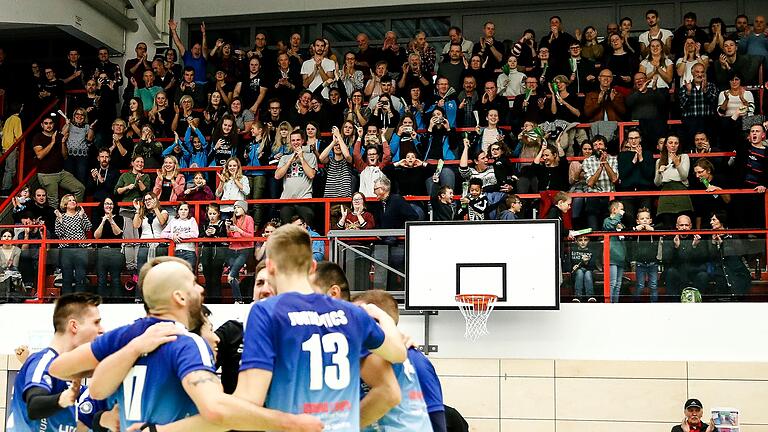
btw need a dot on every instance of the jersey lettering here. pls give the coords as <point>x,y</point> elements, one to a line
<point>336,376</point>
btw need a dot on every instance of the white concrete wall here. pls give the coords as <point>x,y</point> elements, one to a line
<point>635,332</point>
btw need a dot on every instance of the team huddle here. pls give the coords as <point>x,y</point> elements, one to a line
<point>309,361</point>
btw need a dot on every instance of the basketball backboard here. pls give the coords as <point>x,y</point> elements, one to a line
<point>518,261</point>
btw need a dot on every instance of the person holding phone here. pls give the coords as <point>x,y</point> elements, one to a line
<point>239,226</point>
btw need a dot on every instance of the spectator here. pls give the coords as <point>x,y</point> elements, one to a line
<point>443,205</point>
<point>480,170</point>
<point>135,68</point>
<point>514,207</point>
<point>161,116</point>
<point>404,138</point>
<point>239,226</point>
<point>72,224</point>
<point>742,28</point>
<point>149,148</point>
<point>253,89</point>
<point>198,190</point>
<point>558,42</point>
<point>687,30</point>
<point>604,104</point>
<point>490,50</point>
<point>704,147</point>
<point>618,251</point>
<point>691,57</point>
<point>445,99</point>
<point>223,86</point>
<point>136,117</point>
<point>655,32</point>
<point>455,36</point>
<point>267,56</point>
<point>425,51</point>
<point>105,66</point>
<point>601,174</point>
<point>491,101</point>
<point>78,136</point>
<point>756,43</point>
<point>697,104</point>
<point>233,185</point>
<point>672,174</point>
<point>165,79</point>
<point>261,247</point>
<point>243,119</point>
<point>297,169</point>
<point>577,179</point>
<point>11,133</point>
<point>511,82</point>
<point>370,167</point>
<point>213,255</point>
<point>714,46</point>
<point>318,246</point>
<point>731,61</point>
<point>366,57</point>
<point>285,81</point>
<point>542,68</point>
<point>476,205</point>
<point>412,177</point>
<point>622,63</point>
<point>391,52</point>
<point>42,211</point>
<point>657,67</point>
<point>706,205</point>
<point>414,75</point>
<point>468,103</point>
<point>190,88</point>
<point>684,260</point>
<point>109,257</point>
<point>180,228</point>
<point>731,275</point>
<point>318,69</point>
<point>50,151</point>
<point>51,88</point>
<point>530,106</point>
<point>356,216</point>
<point>9,254</point>
<point>196,57</point>
<point>648,106</point>
<point>733,105</point>
<point>752,170</point>
<point>133,184</point>
<point>213,113</point>
<point>339,167</point>
<point>435,143</point>
<point>644,250</point>
<point>583,259</point>
<point>384,114</point>
<point>351,78</point>
<point>30,253</point>
<point>147,93</point>
<point>551,167</point>
<point>103,178</point>
<point>636,170</point>
<point>392,213</point>
<point>150,219</point>
<point>452,68</point>
<point>169,183</point>
<point>561,204</point>
<point>692,420</point>
<point>101,105</point>
<point>582,70</point>
<point>226,141</point>
<point>591,49</point>
<point>564,105</point>
<point>631,43</point>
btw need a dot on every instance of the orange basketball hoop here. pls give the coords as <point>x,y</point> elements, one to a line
<point>476,308</point>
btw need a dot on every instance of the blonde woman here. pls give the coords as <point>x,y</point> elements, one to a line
<point>72,224</point>
<point>233,185</point>
<point>282,142</point>
<point>170,183</point>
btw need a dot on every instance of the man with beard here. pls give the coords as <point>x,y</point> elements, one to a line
<point>170,369</point>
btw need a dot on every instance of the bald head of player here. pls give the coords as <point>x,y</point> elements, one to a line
<point>289,260</point>
<point>170,290</point>
<point>329,278</point>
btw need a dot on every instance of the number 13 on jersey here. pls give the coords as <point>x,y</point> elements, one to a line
<point>335,375</point>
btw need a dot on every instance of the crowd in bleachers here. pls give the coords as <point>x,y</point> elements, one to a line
<point>297,119</point>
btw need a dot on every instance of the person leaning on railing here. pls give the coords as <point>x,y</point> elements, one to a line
<point>213,255</point>
<point>240,225</point>
<point>150,219</point>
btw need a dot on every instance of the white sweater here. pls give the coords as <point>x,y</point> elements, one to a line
<point>185,229</point>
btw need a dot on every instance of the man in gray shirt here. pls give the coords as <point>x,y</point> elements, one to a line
<point>297,170</point>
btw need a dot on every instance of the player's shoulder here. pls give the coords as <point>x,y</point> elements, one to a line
<point>419,360</point>
<point>40,360</point>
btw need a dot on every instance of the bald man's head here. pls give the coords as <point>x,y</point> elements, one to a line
<point>169,285</point>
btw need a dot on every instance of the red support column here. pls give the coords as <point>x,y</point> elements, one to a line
<point>42,255</point>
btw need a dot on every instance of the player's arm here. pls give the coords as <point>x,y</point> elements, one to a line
<point>393,348</point>
<point>111,372</point>
<point>42,404</point>
<point>73,364</point>
<point>385,392</point>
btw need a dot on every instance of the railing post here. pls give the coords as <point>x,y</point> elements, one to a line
<point>41,273</point>
<point>327,206</point>
<point>765,213</point>
<point>607,268</point>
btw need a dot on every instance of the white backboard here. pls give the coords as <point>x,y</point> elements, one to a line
<point>515,260</point>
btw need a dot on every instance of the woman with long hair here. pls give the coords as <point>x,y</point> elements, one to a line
<point>243,117</point>
<point>564,106</point>
<point>109,257</point>
<point>339,170</point>
<point>161,116</point>
<point>149,148</point>
<point>282,142</point>
<point>239,226</point>
<point>9,253</point>
<point>591,48</point>
<point>213,255</point>
<point>725,252</point>
<point>72,224</point>
<point>213,113</point>
<point>659,69</point>
<point>180,228</point>
<point>136,118</point>
<point>356,110</point>
<point>672,174</point>
<point>150,219</point>
<point>224,141</point>
<point>620,62</point>
<point>233,185</point>
<point>714,47</point>
<point>256,153</point>
<point>357,217</point>
<point>170,183</point>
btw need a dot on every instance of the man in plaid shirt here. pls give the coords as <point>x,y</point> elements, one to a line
<point>602,172</point>
<point>698,100</point>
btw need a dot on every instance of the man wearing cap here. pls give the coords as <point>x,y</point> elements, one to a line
<point>692,421</point>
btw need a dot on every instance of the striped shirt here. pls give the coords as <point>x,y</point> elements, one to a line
<point>755,167</point>
<point>338,182</point>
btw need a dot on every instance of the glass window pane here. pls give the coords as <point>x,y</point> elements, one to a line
<point>433,27</point>
<point>347,32</point>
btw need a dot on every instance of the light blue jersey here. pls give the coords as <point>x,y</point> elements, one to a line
<point>34,374</point>
<point>411,414</point>
<point>311,343</point>
<point>152,390</point>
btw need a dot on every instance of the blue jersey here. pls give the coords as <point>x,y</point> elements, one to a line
<point>34,373</point>
<point>87,407</point>
<point>152,390</point>
<point>430,384</point>
<point>411,413</point>
<point>311,343</point>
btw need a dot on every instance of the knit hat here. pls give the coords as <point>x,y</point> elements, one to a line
<point>242,204</point>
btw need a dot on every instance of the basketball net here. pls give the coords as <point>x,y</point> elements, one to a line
<point>476,309</point>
